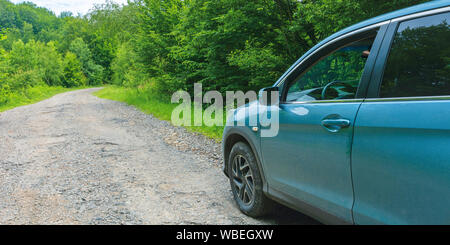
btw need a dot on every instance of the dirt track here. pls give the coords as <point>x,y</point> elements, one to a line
<point>78,159</point>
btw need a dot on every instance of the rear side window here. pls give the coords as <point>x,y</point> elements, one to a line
<point>419,60</point>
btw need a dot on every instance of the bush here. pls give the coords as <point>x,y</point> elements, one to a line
<point>73,74</point>
<point>5,92</point>
<point>92,71</point>
<point>35,61</point>
<point>24,79</point>
<point>127,71</point>
<point>50,63</point>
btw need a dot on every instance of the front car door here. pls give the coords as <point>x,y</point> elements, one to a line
<point>308,163</point>
<point>401,148</point>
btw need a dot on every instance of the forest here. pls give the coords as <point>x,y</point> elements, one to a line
<point>157,47</point>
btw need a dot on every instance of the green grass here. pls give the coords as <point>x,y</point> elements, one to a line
<point>150,104</point>
<point>32,95</point>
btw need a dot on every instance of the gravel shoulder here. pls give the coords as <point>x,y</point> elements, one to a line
<point>79,159</point>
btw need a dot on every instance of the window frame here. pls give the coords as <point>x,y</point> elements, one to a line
<point>330,47</point>
<point>374,89</point>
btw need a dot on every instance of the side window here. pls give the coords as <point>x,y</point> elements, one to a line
<point>419,60</point>
<point>335,76</point>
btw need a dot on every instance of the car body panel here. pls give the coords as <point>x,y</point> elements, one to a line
<point>401,153</point>
<point>310,163</point>
<point>400,162</point>
<point>238,125</point>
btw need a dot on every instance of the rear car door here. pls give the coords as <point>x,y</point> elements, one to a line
<point>401,147</point>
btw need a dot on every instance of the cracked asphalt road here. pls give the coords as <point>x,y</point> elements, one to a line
<point>79,159</point>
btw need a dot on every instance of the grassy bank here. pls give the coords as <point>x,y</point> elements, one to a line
<point>31,95</point>
<point>150,104</point>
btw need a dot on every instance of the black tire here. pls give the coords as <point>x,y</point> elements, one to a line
<point>245,179</point>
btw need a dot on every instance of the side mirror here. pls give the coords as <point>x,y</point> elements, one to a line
<point>269,96</point>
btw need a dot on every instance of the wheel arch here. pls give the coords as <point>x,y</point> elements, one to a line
<point>234,136</point>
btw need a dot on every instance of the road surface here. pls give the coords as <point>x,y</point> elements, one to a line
<point>79,159</point>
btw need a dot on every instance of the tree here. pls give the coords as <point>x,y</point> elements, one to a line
<point>41,60</point>
<point>92,71</point>
<point>49,63</point>
<point>127,71</point>
<point>73,71</point>
<point>168,45</point>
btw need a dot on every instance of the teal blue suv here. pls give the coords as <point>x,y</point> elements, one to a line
<point>363,127</point>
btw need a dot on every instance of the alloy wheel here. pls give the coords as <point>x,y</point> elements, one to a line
<point>243,181</point>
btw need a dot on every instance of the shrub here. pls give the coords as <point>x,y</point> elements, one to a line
<point>73,74</point>
<point>92,71</point>
<point>127,71</point>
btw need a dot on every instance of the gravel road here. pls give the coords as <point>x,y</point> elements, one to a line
<point>78,159</point>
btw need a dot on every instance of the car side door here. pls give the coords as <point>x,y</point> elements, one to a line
<point>401,146</point>
<point>307,164</point>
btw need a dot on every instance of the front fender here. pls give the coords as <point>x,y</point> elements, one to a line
<point>234,134</point>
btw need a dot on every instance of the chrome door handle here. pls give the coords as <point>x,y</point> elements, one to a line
<point>334,125</point>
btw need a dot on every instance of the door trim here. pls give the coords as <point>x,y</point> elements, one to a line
<point>422,14</point>
<point>324,101</point>
<point>420,98</point>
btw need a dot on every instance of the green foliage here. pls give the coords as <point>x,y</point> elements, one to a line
<point>262,65</point>
<point>73,71</point>
<point>27,22</point>
<point>146,100</point>
<point>164,46</point>
<point>49,62</point>
<point>103,54</point>
<point>31,64</point>
<point>36,62</point>
<point>30,95</point>
<point>71,29</point>
<point>126,70</point>
<point>92,71</point>
<point>235,45</point>
<point>152,48</point>
<point>172,44</point>
<point>317,19</point>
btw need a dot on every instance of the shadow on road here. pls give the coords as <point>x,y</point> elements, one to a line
<point>283,215</point>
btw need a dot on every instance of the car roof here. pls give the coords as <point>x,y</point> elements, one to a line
<point>381,18</point>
